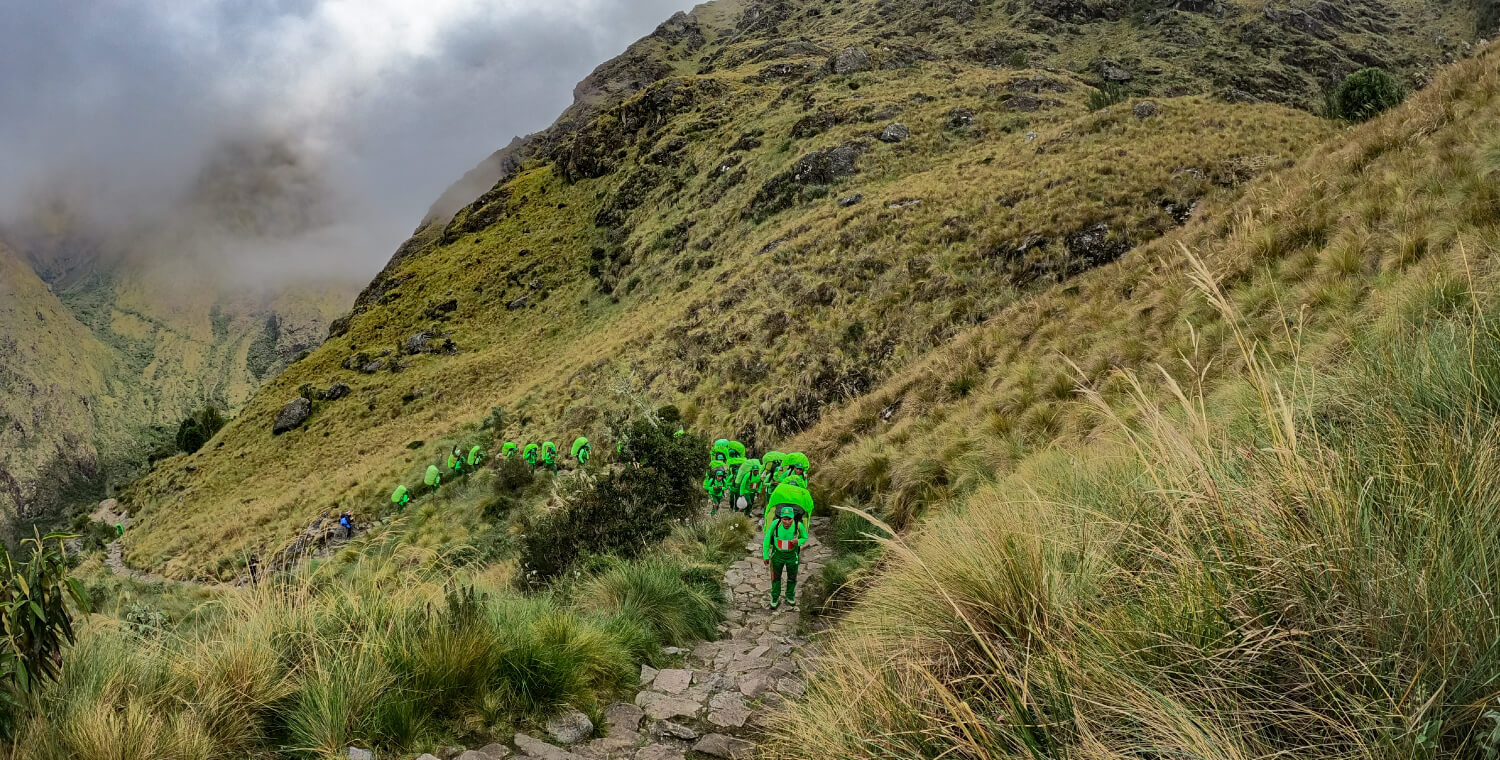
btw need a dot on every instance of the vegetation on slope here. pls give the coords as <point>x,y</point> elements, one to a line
<point>62,407</point>
<point>731,232</point>
<point>398,651</point>
<point>150,340</point>
<point>1279,545</point>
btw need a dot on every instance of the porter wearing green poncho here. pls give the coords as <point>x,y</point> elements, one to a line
<point>782,549</point>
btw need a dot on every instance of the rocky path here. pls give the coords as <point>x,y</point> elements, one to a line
<point>715,704</point>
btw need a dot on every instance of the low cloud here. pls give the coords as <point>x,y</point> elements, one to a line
<point>278,139</point>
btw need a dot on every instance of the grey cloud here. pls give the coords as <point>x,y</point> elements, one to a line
<point>124,109</point>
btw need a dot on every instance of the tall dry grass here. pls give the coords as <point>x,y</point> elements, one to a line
<point>396,652</point>
<point>1301,565</point>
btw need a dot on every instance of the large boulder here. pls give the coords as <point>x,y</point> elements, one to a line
<point>416,344</point>
<point>292,416</point>
<point>851,60</point>
<point>821,168</point>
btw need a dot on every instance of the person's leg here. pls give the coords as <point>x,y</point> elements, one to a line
<point>775,581</point>
<point>791,580</point>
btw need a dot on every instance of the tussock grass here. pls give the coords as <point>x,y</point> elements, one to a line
<point>394,651</point>
<point>1301,564</point>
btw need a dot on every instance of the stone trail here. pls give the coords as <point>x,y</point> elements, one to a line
<point>717,704</point>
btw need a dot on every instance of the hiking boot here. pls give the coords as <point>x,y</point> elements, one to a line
<point>791,603</point>
<point>772,605</point>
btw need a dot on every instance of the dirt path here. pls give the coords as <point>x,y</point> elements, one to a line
<point>114,557</point>
<point>718,702</point>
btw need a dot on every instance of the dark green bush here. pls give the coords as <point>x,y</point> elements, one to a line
<point>625,510</point>
<point>37,620</point>
<point>199,429</point>
<point>1367,93</point>
<point>1489,16</point>
<point>513,486</point>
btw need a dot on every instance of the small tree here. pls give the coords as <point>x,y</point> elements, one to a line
<point>199,429</point>
<point>627,509</point>
<point>1367,93</point>
<point>35,618</point>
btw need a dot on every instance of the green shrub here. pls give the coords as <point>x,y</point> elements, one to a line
<point>1489,16</point>
<point>515,483</point>
<point>623,511</point>
<point>199,429</point>
<point>1106,95</point>
<point>36,620</point>
<point>1365,94</point>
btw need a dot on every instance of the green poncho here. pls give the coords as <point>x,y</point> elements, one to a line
<point>434,477</point>
<point>771,467</point>
<point>717,484</point>
<point>582,449</point>
<point>749,483</point>
<point>508,450</point>
<point>788,495</point>
<point>530,453</point>
<point>476,457</point>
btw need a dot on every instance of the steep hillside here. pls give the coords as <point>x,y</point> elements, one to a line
<point>62,405</point>
<point>1263,529</point>
<point>156,338</point>
<point>766,209</point>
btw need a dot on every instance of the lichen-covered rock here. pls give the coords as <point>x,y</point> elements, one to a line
<point>335,392</point>
<point>292,416</point>
<point>1145,109</point>
<point>814,125</point>
<point>851,60</point>
<point>820,168</point>
<point>1113,72</point>
<point>895,133</point>
<point>960,118</point>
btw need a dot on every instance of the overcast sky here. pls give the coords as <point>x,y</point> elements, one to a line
<point>118,105</point>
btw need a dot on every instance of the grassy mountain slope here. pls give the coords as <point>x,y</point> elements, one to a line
<point>1284,550</point>
<point>157,338</point>
<point>721,226</point>
<point>62,406</point>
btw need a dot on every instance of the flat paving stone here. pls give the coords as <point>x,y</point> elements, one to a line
<point>542,750</point>
<point>727,747</point>
<point>623,718</point>
<point>665,706</point>
<point>660,752</point>
<point>673,681</point>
